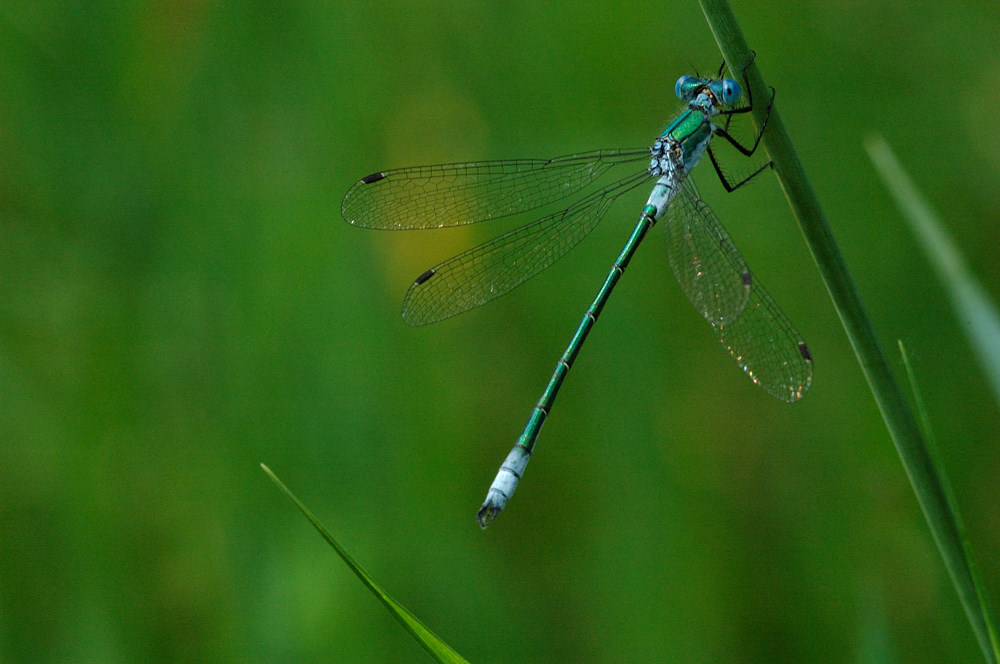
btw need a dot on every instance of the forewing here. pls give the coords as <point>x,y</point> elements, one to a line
<point>456,194</point>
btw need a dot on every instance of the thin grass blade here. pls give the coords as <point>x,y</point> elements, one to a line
<point>875,642</point>
<point>885,388</point>
<point>431,642</point>
<point>973,307</point>
<point>971,591</point>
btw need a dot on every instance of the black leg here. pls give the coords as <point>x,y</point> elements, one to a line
<point>743,149</point>
<point>723,131</point>
<point>746,86</point>
<point>733,186</point>
<point>746,151</point>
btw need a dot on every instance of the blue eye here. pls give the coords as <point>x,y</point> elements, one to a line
<point>685,87</point>
<point>730,92</point>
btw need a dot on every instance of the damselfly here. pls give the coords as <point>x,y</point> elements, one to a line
<point>708,266</point>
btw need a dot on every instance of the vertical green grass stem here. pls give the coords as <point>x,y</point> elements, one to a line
<point>892,404</point>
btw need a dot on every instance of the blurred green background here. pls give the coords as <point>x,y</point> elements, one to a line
<point>180,301</point>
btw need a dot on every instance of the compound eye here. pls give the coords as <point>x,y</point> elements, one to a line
<point>730,92</point>
<point>686,85</point>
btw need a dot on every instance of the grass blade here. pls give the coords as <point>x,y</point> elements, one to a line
<point>431,642</point>
<point>892,404</point>
<point>973,308</point>
<point>976,600</point>
<point>876,646</point>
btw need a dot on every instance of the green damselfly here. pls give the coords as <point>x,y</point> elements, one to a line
<point>708,266</point>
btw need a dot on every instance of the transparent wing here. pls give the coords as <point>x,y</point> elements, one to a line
<point>766,345</point>
<point>456,194</point>
<point>494,268</point>
<point>748,323</point>
<point>708,266</point>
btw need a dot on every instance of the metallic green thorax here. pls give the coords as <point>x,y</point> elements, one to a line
<point>692,131</point>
